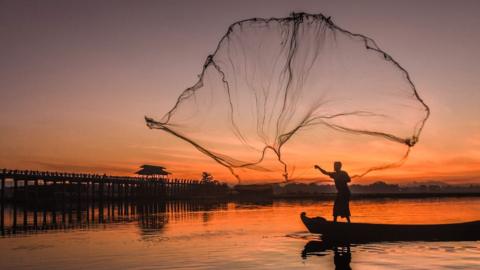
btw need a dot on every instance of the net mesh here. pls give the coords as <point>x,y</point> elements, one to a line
<point>281,94</point>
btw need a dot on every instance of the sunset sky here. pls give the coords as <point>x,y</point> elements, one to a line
<point>78,77</point>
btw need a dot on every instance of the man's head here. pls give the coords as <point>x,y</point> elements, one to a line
<point>337,166</point>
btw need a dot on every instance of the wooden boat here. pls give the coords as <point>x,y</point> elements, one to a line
<point>366,232</point>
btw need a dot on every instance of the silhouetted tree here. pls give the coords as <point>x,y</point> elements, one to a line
<point>207,177</point>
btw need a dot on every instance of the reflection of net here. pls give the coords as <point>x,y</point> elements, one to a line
<point>302,79</point>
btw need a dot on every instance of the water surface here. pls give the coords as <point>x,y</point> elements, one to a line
<point>233,235</point>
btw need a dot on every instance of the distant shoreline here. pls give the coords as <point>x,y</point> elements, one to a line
<point>326,197</point>
<point>359,196</point>
<point>355,196</point>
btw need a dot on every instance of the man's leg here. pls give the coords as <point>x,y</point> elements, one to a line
<point>348,219</point>
<point>334,218</point>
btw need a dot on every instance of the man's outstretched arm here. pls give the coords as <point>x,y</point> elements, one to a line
<point>322,170</point>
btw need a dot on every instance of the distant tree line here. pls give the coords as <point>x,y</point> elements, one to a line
<point>377,187</point>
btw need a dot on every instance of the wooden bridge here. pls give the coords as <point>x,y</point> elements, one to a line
<point>33,186</point>
<point>33,190</point>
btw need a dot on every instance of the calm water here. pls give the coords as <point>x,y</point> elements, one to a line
<point>227,236</point>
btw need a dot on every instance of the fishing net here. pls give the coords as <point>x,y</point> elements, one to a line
<point>279,95</point>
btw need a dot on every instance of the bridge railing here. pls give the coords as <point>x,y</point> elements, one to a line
<point>28,185</point>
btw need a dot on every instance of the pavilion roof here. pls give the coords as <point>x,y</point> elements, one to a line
<point>152,170</point>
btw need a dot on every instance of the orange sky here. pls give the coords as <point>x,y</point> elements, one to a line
<point>76,80</point>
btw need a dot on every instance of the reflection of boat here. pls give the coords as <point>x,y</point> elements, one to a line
<point>365,232</point>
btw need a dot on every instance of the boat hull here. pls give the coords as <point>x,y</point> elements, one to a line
<point>366,232</point>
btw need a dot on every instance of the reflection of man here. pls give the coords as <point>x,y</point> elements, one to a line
<point>342,258</point>
<point>342,255</point>
<point>341,178</point>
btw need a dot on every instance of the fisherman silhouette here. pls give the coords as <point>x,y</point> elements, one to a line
<point>341,207</point>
